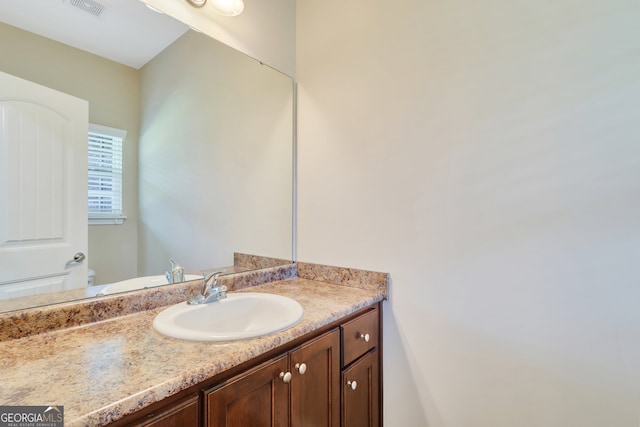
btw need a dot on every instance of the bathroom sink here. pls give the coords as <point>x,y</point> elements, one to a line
<point>141,283</point>
<point>238,316</point>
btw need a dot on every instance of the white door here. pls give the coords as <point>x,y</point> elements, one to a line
<point>43,189</point>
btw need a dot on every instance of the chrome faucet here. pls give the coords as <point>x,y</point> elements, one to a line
<point>176,274</point>
<point>210,292</point>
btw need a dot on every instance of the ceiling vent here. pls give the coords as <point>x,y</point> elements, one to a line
<point>91,6</point>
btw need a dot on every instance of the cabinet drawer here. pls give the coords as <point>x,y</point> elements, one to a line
<point>359,336</point>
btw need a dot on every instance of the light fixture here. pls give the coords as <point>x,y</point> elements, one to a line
<point>197,3</point>
<point>223,7</point>
<point>155,9</point>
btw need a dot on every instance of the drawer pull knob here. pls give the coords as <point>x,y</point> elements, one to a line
<point>364,337</point>
<point>352,384</point>
<point>301,367</point>
<point>285,377</point>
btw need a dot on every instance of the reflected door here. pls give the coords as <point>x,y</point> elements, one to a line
<point>43,189</point>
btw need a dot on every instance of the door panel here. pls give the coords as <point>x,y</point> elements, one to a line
<point>315,389</point>
<point>33,287</point>
<point>258,398</point>
<point>43,188</point>
<point>361,393</point>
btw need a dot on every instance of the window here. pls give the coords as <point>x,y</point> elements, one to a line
<point>105,175</point>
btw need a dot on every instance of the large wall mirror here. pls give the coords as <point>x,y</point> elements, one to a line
<point>209,149</point>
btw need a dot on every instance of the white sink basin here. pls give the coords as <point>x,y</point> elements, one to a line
<point>238,316</point>
<point>140,283</point>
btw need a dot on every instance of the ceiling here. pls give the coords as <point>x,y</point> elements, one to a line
<point>125,31</point>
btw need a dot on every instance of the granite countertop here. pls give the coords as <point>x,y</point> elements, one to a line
<point>103,371</point>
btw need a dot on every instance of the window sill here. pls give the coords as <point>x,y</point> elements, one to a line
<point>107,220</point>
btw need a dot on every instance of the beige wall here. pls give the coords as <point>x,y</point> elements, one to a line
<point>487,155</point>
<point>215,157</point>
<point>112,91</point>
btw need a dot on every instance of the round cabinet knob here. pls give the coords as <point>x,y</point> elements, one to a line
<point>301,367</point>
<point>285,377</point>
<point>365,337</point>
<point>352,384</point>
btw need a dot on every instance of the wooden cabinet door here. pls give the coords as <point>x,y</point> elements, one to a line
<point>315,382</point>
<point>183,413</point>
<point>360,393</point>
<point>258,398</point>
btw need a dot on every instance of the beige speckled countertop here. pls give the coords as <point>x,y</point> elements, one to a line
<point>103,371</point>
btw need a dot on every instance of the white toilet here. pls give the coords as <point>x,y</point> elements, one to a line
<point>91,274</point>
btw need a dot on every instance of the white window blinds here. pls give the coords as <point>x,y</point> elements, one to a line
<point>105,174</point>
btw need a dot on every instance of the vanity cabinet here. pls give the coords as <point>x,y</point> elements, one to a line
<point>327,380</point>
<point>299,388</point>
<point>360,377</point>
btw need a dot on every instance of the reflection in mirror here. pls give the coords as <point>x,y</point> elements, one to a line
<point>207,159</point>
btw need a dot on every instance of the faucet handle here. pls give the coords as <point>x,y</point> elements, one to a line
<point>196,299</point>
<point>222,292</point>
<point>175,266</point>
